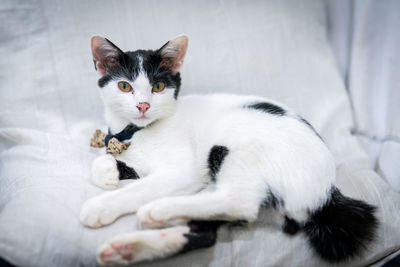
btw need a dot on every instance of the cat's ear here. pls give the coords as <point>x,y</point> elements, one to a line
<point>173,53</point>
<point>106,55</point>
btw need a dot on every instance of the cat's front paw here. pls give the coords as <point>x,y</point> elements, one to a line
<point>105,173</point>
<point>157,214</point>
<point>96,213</point>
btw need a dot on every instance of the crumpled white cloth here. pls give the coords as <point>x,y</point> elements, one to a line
<point>50,107</point>
<point>365,39</point>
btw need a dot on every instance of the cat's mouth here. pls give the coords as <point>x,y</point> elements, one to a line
<point>142,121</point>
<point>143,117</point>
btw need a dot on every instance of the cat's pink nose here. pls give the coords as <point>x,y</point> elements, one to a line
<point>143,107</point>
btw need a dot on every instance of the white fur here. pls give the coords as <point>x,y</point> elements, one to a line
<point>140,59</point>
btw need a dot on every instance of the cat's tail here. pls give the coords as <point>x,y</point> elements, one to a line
<point>341,228</point>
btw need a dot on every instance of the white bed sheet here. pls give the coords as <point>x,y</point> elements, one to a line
<point>50,107</point>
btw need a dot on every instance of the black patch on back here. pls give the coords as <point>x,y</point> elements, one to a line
<point>215,159</point>
<point>310,126</point>
<point>126,172</point>
<point>128,68</point>
<point>341,228</point>
<point>291,226</point>
<point>272,201</point>
<point>267,108</point>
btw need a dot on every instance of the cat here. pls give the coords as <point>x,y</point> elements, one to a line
<point>201,161</point>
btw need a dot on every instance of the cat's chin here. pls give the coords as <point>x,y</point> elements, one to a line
<point>142,122</point>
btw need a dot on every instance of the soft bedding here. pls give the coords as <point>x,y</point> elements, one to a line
<point>365,40</point>
<point>50,107</point>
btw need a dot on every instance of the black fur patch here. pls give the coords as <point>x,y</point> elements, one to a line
<point>272,201</point>
<point>104,80</point>
<point>126,172</point>
<point>215,159</point>
<point>267,108</point>
<point>291,226</point>
<point>128,68</point>
<point>238,223</point>
<point>341,228</point>
<point>5,263</point>
<point>203,234</point>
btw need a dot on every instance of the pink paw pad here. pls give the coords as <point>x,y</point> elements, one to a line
<point>107,255</point>
<point>127,252</point>
<point>117,245</point>
<point>108,252</point>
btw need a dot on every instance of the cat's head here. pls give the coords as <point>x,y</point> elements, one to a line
<point>140,86</point>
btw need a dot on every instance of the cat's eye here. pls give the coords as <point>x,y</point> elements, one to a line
<point>158,86</point>
<point>124,86</point>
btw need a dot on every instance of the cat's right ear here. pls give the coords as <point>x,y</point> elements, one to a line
<point>106,55</point>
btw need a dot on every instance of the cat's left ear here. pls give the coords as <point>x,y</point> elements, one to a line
<point>173,53</point>
<point>106,55</point>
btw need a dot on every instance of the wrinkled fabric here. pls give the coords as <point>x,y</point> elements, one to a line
<point>365,38</point>
<point>50,107</point>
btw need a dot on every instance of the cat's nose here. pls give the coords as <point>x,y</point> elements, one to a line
<point>143,107</point>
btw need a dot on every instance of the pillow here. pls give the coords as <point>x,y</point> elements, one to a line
<point>50,106</point>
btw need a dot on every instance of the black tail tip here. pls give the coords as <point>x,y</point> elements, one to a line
<point>342,228</point>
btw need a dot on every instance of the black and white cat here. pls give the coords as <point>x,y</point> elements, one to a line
<point>203,160</point>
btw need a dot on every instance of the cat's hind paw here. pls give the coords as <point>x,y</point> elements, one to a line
<point>116,253</point>
<point>143,245</point>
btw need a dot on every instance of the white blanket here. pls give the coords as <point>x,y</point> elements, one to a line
<point>50,106</point>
